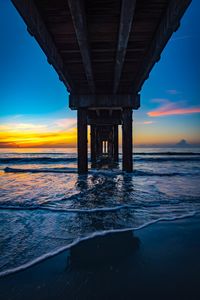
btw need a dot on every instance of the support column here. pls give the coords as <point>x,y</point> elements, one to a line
<point>98,143</point>
<point>82,141</point>
<point>115,143</point>
<point>127,161</point>
<point>93,142</point>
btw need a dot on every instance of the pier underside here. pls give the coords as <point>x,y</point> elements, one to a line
<point>103,51</point>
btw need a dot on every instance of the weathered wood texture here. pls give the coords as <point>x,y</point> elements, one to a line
<point>126,18</point>
<point>77,10</point>
<point>107,44</point>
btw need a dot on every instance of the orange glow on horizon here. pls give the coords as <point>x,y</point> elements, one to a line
<point>38,139</point>
<point>43,137</point>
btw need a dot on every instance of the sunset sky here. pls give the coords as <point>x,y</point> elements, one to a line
<point>34,103</point>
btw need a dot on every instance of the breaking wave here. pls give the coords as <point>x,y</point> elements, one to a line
<point>36,160</point>
<point>106,172</point>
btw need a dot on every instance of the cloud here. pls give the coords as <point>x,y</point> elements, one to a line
<point>145,122</point>
<point>178,111</point>
<point>168,108</point>
<point>184,37</point>
<point>172,92</point>
<point>159,100</point>
<point>148,122</point>
<point>58,132</point>
<point>22,127</point>
<point>27,126</point>
<point>37,139</point>
<point>4,127</point>
<point>66,123</point>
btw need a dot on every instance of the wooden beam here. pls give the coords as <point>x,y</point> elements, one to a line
<point>104,121</point>
<point>126,18</point>
<point>80,26</point>
<point>37,28</point>
<point>169,23</point>
<point>104,101</point>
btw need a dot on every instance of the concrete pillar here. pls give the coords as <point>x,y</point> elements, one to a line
<point>115,143</point>
<point>82,141</point>
<point>127,161</point>
<point>99,146</point>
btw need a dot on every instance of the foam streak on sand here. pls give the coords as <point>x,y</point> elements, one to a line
<point>95,234</point>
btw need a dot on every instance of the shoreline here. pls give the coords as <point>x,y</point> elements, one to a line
<point>49,255</point>
<point>169,249</point>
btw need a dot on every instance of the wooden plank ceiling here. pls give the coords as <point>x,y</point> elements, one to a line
<point>108,46</point>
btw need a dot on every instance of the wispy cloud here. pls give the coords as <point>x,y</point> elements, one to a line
<point>178,111</point>
<point>66,123</point>
<point>168,108</point>
<point>184,37</point>
<point>159,100</point>
<point>145,122</point>
<point>148,122</point>
<point>22,126</point>
<point>172,92</point>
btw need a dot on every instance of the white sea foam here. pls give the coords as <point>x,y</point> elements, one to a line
<point>67,210</point>
<point>93,235</point>
<point>105,172</point>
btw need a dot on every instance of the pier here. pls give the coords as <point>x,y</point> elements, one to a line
<point>103,51</point>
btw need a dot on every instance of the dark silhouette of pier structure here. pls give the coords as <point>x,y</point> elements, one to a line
<point>103,51</point>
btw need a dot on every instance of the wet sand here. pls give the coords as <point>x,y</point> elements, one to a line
<point>160,261</point>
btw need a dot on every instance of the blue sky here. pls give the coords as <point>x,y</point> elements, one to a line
<point>31,93</point>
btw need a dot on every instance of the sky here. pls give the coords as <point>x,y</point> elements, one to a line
<point>34,108</point>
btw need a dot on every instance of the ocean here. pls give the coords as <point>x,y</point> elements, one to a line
<point>46,207</point>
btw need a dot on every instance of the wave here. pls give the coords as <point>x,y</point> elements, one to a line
<point>159,157</point>
<point>170,153</point>
<point>98,172</point>
<point>42,170</point>
<point>189,153</point>
<point>90,236</point>
<point>167,159</point>
<point>36,160</point>
<point>168,174</point>
<point>65,210</point>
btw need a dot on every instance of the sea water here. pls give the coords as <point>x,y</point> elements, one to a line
<point>45,206</point>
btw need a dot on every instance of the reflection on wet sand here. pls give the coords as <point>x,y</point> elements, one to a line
<point>103,250</point>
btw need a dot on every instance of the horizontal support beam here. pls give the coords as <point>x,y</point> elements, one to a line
<point>37,28</point>
<point>169,23</point>
<point>104,101</point>
<point>104,121</point>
